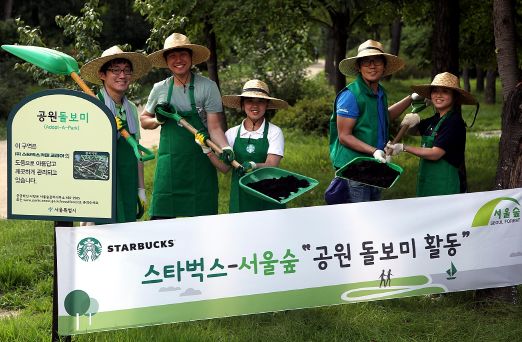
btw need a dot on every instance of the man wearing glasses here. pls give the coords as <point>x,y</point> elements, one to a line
<point>359,124</point>
<point>114,71</point>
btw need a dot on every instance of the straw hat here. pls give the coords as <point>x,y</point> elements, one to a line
<point>348,66</point>
<point>254,88</point>
<point>179,41</point>
<point>445,80</point>
<point>140,64</point>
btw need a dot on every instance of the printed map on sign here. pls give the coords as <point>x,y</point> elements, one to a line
<point>91,165</point>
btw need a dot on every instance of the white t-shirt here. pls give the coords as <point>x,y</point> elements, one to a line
<point>276,141</point>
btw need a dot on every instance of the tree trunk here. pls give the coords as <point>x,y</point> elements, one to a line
<point>395,31</point>
<point>340,35</point>
<point>480,79</point>
<point>465,78</point>
<point>490,93</point>
<point>212,64</point>
<point>505,38</point>
<point>329,66</point>
<point>509,169</point>
<point>445,39</point>
<point>8,9</point>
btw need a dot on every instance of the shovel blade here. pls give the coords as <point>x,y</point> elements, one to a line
<point>273,172</point>
<point>53,61</point>
<point>367,177</point>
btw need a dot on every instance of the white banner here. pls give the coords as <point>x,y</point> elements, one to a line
<point>146,273</point>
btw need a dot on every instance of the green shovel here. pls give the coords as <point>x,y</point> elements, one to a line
<point>59,63</point>
<point>251,177</point>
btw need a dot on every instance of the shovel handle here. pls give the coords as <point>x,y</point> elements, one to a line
<point>149,155</point>
<point>82,84</point>
<point>397,138</point>
<point>194,131</point>
<point>400,134</point>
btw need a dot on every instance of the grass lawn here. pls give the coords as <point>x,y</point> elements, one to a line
<point>26,273</point>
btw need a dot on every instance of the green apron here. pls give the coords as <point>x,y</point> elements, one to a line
<point>436,177</point>
<point>127,176</point>
<point>256,150</point>
<point>185,182</point>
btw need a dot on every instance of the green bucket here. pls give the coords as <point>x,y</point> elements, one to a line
<point>392,166</point>
<point>273,172</point>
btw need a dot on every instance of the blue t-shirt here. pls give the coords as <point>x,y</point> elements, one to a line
<point>347,107</point>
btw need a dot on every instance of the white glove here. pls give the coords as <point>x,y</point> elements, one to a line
<point>395,148</point>
<point>416,97</point>
<point>410,120</point>
<point>142,196</point>
<point>380,156</point>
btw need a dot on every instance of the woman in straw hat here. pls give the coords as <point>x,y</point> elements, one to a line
<point>256,142</point>
<point>360,121</point>
<point>185,183</point>
<point>114,71</point>
<point>441,168</point>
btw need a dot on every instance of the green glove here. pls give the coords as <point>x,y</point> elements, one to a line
<point>166,108</point>
<point>248,166</point>
<point>227,155</point>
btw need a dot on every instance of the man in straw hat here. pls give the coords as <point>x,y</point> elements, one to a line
<point>360,121</point>
<point>256,142</point>
<point>114,71</point>
<point>441,167</point>
<point>185,183</point>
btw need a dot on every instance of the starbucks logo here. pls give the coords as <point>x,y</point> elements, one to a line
<point>250,148</point>
<point>89,249</point>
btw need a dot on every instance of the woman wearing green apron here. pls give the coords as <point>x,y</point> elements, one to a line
<point>256,142</point>
<point>115,70</point>
<point>441,168</point>
<point>185,181</point>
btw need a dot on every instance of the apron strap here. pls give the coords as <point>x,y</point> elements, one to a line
<point>191,93</point>
<point>265,132</point>
<point>436,129</point>
<point>171,85</point>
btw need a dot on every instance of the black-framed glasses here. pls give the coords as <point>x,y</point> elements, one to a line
<point>366,62</point>
<point>117,71</point>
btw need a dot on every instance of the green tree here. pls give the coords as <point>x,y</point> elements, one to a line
<point>84,33</point>
<point>274,50</point>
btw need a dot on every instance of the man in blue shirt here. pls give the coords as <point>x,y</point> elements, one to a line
<point>359,124</point>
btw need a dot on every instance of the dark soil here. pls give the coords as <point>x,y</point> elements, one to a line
<point>279,188</point>
<point>372,173</point>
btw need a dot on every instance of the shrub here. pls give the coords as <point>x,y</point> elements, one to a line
<point>309,115</point>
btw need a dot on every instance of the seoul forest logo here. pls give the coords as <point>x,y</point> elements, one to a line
<point>499,211</point>
<point>89,249</point>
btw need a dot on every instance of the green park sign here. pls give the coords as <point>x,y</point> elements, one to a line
<point>61,158</point>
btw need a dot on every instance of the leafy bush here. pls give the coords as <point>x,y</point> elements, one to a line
<point>310,115</point>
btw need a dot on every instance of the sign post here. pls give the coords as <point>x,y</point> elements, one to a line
<point>61,156</point>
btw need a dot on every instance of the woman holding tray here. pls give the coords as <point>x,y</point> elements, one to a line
<point>441,168</point>
<point>256,142</point>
